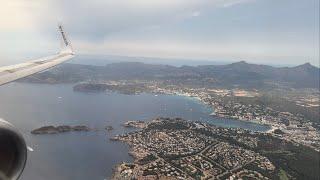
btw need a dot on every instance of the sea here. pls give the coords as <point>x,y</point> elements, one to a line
<point>89,155</point>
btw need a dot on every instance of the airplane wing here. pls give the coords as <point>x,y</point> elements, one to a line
<point>14,72</point>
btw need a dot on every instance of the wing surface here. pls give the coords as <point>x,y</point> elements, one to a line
<point>17,71</point>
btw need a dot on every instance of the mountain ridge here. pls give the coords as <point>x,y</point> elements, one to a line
<point>240,73</point>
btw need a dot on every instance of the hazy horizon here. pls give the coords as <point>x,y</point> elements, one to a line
<point>107,59</point>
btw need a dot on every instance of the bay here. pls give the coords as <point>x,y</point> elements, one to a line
<point>88,155</point>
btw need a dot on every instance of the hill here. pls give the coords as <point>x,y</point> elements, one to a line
<point>240,74</point>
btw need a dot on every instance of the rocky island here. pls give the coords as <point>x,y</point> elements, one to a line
<point>59,129</point>
<point>109,128</point>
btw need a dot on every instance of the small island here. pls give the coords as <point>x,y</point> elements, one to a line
<point>134,124</point>
<point>59,129</point>
<point>109,128</point>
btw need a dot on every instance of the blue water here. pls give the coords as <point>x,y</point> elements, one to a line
<point>88,155</point>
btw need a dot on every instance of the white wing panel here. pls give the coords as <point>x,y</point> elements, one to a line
<point>14,72</point>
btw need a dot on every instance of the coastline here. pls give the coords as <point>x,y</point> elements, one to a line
<point>213,113</point>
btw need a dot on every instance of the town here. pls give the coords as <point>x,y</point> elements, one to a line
<point>180,149</point>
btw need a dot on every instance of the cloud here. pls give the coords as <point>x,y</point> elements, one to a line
<point>96,19</point>
<point>236,2</point>
<point>14,15</point>
<point>196,14</point>
<point>189,28</point>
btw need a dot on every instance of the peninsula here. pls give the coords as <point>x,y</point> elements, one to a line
<point>167,148</point>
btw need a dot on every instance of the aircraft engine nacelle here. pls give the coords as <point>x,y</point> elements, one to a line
<point>13,152</point>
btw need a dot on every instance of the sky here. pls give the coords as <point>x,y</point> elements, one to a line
<point>256,31</point>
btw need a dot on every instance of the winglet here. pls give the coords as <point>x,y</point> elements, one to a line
<point>67,47</point>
